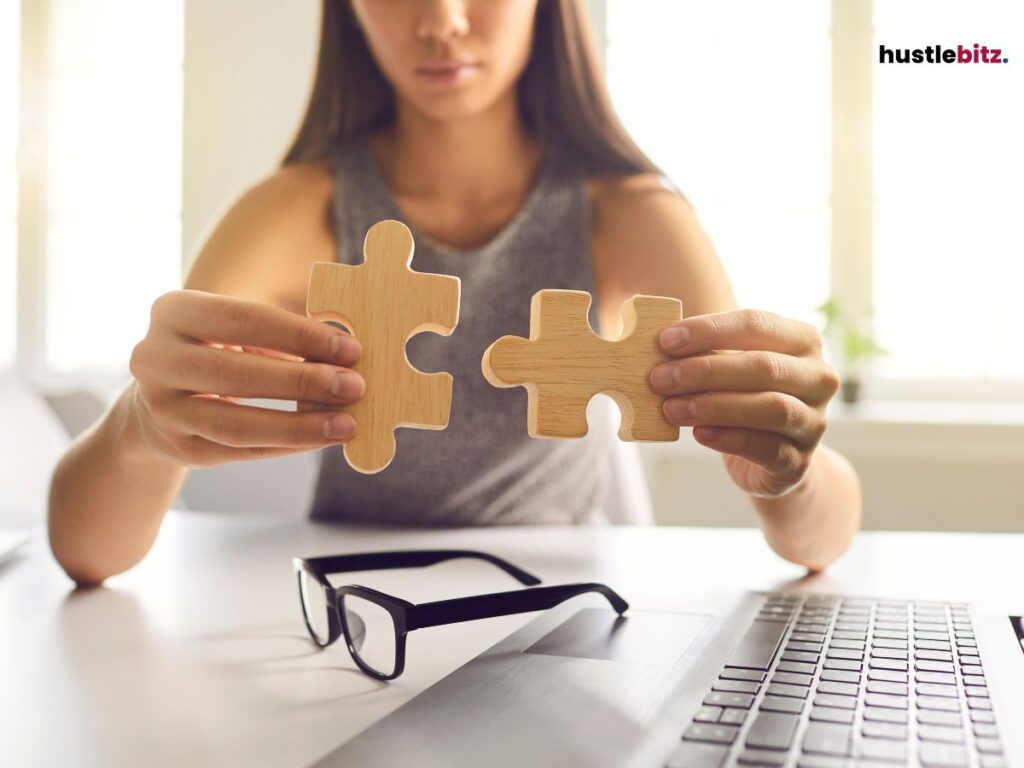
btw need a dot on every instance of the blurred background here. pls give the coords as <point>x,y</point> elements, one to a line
<point>881,202</point>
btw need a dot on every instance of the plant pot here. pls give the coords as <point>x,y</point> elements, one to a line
<point>849,391</point>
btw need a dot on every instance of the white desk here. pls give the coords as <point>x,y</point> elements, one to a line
<point>199,656</point>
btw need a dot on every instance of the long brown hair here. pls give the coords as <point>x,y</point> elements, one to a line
<point>562,98</point>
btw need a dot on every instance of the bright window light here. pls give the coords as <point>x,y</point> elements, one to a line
<point>740,119</point>
<point>113,178</point>
<point>10,52</point>
<point>949,159</point>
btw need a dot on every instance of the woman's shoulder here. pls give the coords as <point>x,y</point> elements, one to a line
<point>269,236</point>
<point>624,205</point>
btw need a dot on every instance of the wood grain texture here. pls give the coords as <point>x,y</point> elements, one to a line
<point>383,303</point>
<point>564,364</point>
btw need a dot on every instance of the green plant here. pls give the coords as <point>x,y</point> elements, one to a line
<point>854,344</point>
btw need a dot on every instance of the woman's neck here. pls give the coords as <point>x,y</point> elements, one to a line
<point>473,161</point>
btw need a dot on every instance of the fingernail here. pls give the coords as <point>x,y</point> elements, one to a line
<point>347,385</point>
<point>339,427</point>
<point>665,377</point>
<point>675,339</point>
<point>680,408</point>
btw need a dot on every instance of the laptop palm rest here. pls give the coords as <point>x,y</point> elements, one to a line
<point>572,687</point>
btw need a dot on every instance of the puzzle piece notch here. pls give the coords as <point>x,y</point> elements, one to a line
<point>384,303</point>
<point>564,364</point>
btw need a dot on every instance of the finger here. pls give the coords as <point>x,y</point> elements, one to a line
<point>779,457</point>
<point>225,319</point>
<point>205,453</point>
<point>740,329</point>
<point>201,369</point>
<point>245,426</point>
<point>808,380</point>
<point>765,411</point>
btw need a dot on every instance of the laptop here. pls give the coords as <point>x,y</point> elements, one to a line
<point>784,680</point>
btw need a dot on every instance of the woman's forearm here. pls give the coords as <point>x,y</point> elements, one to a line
<point>813,524</point>
<point>108,497</point>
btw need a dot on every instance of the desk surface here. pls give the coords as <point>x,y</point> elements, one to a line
<point>198,656</point>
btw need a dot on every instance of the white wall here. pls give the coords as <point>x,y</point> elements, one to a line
<point>248,70</point>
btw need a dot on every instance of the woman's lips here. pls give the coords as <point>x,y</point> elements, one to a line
<point>447,72</point>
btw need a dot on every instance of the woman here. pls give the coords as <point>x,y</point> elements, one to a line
<point>484,125</point>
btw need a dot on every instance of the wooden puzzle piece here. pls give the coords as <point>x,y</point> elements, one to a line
<point>564,364</point>
<point>384,303</point>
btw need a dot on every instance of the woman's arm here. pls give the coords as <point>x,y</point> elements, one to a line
<point>763,407</point>
<point>112,488</point>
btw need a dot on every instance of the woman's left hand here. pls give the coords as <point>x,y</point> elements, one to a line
<point>763,405</point>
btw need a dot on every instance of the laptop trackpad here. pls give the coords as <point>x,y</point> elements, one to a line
<point>645,637</point>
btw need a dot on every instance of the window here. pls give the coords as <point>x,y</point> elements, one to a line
<point>740,121</point>
<point>949,248</point>
<point>102,167</point>
<point>10,54</point>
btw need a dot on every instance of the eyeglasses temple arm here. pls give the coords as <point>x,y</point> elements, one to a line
<point>505,604</point>
<point>377,561</point>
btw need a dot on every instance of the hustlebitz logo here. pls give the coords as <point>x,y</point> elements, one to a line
<point>936,54</point>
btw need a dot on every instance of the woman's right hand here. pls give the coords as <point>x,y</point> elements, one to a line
<point>204,354</point>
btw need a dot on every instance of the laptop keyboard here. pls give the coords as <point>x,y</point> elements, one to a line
<point>821,681</point>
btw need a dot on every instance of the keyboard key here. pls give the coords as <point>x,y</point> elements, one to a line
<point>967,651</point>
<point>792,678</point>
<point>732,716</point>
<point>945,733</point>
<point>932,645</point>
<point>846,634</point>
<point>973,703</point>
<point>801,645</point>
<point>785,689</point>
<point>772,730</point>
<point>971,681</point>
<point>933,666</point>
<point>844,653</point>
<point>820,761</point>
<point>885,642</point>
<point>881,686</point>
<point>931,635</point>
<point>781,704</point>
<point>809,637</point>
<point>762,757</point>
<point>937,755</point>
<point>712,734</point>
<point>988,746</point>
<point>691,754</point>
<point>896,664</point>
<point>834,700</point>
<point>886,751</point>
<point>896,634</point>
<point>882,715</point>
<point>941,678</point>
<point>804,656</point>
<point>933,655</point>
<point>885,700</point>
<point>854,645</point>
<point>796,666</point>
<point>847,664</point>
<point>736,686</point>
<point>708,715</point>
<point>970,661</point>
<point>888,653</point>
<point>993,761</point>
<point>888,675</point>
<point>986,730</point>
<point>842,689</point>
<point>832,715</point>
<point>935,689</point>
<point>731,673</point>
<point>937,702</point>
<point>826,738</point>
<point>722,699</point>
<point>977,716</point>
<point>759,645</point>
<point>840,675</point>
<point>937,717</point>
<point>884,731</point>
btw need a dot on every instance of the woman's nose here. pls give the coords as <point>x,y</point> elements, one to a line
<point>442,20</point>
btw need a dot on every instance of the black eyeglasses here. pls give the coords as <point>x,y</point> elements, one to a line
<point>375,624</point>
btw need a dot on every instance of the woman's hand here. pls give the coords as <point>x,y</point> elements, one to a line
<point>763,406</point>
<point>204,354</point>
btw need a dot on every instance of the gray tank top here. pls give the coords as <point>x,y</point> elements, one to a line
<point>484,468</point>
